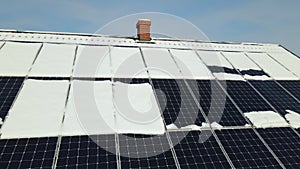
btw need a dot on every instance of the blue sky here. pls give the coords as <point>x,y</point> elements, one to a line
<point>265,21</point>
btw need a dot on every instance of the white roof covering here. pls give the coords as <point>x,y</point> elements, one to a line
<point>127,62</point>
<point>54,60</point>
<point>190,65</point>
<point>212,58</point>
<point>293,118</point>
<point>271,67</point>
<point>38,110</point>
<point>17,58</point>
<point>265,119</point>
<point>290,61</point>
<point>160,63</point>
<point>92,61</point>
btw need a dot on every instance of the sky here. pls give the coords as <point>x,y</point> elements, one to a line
<point>258,21</point>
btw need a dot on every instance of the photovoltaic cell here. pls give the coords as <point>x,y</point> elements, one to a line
<point>9,88</point>
<point>246,97</point>
<point>197,149</point>
<point>27,152</point>
<point>292,86</point>
<point>176,102</point>
<point>285,143</point>
<point>140,151</point>
<point>216,105</point>
<point>87,152</point>
<point>246,150</point>
<point>278,98</point>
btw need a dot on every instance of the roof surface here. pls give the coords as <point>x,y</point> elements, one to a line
<point>81,100</point>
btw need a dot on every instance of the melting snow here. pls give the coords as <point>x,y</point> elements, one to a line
<point>265,119</point>
<point>172,127</point>
<point>293,118</point>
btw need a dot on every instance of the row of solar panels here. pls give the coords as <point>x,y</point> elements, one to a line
<point>243,147</point>
<point>57,60</point>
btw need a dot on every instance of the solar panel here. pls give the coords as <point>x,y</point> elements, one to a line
<point>27,152</point>
<point>193,152</point>
<point>216,105</point>
<point>140,151</point>
<point>246,97</point>
<point>87,152</point>
<point>285,143</point>
<point>176,102</point>
<point>278,98</point>
<point>9,88</point>
<point>292,86</point>
<point>246,150</point>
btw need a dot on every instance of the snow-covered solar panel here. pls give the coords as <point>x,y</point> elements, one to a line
<point>17,58</point>
<point>190,65</point>
<point>127,63</point>
<point>288,60</point>
<point>92,62</point>
<point>271,67</point>
<point>37,111</point>
<point>245,66</point>
<point>219,66</point>
<point>54,60</point>
<point>285,143</point>
<point>160,64</point>
<point>246,150</point>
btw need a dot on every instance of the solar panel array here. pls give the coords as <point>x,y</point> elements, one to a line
<point>203,96</point>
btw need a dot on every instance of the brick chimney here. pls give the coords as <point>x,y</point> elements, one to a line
<point>143,29</point>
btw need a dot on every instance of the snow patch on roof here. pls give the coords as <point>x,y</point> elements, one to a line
<point>293,118</point>
<point>265,119</point>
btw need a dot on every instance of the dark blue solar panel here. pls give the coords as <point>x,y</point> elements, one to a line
<point>176,102</point>
<point>246,150</point>
<point>285,143</point>
<point>9,87</point>
<point>87,152</point>
<point>216,105</point>
<point>197,149</point>
<point>277,96</point>
<point>292,86</point>
<point>246,97</point>
<point>140,151</point>
<point>27,153</point>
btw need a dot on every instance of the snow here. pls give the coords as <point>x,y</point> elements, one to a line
<point>160,64</point>
<point>54,60</point>
<point>212,58</point>
<point>92,61</point>
<point>17,58</point>
<point>192,127</point>
<point>136,109</point>
<point>127,63</point>
<point>216,125</point>
<point>190,65</point>
<point>240,61</point>
<point>172,127</point>
<point>228,76</point>
<point>38,110</point>
<point>293,118</point>
<point>263,77</point>
<point>271,67</point>
<point>112,108</point>
<point>265,119</point>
